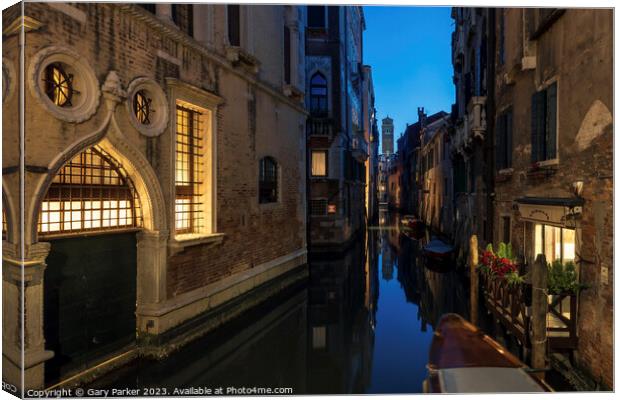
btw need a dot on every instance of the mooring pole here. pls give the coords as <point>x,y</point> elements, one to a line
<point>473,279</point>
<point>539,315</point>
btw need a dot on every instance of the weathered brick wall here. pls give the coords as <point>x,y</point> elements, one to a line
<point>253,122</point>
<point>577,50</point>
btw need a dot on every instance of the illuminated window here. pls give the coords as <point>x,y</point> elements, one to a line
<point>555,243</point>
<point>189,171</point>
<point>142,107</point>
<point>59,85</point>
<point>90,193</point>
<point>318,95</point>
<point>268,180</point>
<point>319,163</point>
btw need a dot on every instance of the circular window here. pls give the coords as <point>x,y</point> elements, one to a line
<point>147,107</point>
<point>58,85</point>
<point>64,83</point>
<point>8,77</point>
<point>142,107</point>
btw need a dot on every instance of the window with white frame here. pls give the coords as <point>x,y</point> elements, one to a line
<point>189,170</point>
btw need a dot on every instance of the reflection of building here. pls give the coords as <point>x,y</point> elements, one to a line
<point>339,99</point>
<point>341,327</point>
<point>156,167</point>
<point>557,199</point>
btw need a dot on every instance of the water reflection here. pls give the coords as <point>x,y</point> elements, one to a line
<point>363,324</point>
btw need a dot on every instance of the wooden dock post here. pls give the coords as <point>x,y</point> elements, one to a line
<point>473,279</point>
<point>539,314</point>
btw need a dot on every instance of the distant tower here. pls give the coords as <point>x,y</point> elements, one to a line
<point>387,135</point>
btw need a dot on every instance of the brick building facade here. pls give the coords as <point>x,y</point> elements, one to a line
<point>178,127</point>
<point>554,156</point>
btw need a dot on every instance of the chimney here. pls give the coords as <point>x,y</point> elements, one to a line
<point>421,117</point>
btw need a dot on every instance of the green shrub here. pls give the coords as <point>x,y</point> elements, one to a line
<point>562,277</point>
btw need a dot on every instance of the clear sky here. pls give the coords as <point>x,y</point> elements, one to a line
<point>409,50</point>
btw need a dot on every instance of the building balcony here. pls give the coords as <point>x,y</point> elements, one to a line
<point>476,116</point>
<point>319,126</point>
<point>472,126</point>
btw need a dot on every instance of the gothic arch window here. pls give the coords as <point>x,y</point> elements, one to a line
<point>90,193</point>
<point>318,95</point>
<point>268,180</point>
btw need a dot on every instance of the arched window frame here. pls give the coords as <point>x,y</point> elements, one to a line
<point>268,180</point>
<point>319,92</point>
<point>83,193</point>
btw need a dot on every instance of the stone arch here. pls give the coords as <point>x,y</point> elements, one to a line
<point>138,169</point>
<point>153,239</point>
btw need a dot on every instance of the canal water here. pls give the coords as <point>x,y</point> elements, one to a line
<point>363,323</point>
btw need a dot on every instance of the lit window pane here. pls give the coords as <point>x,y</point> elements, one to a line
<point>78,207</point>
<point>319,163</point>
<point>538,240</point>
<point>568,239</point>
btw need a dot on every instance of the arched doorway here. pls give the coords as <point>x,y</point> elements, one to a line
<point>90,215</point>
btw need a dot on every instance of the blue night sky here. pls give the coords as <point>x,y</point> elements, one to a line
<point>409,50</point>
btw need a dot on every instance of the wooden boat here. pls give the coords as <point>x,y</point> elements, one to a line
<point>462,359</point>
<point>438,250</point>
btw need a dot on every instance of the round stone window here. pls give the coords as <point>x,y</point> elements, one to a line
<point>147,106</point>
<point>8,79</point>
<point>64,83</point>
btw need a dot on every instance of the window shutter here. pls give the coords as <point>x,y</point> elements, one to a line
<point>508,136</point>
<point>551,131</point>
<point>538,126</point>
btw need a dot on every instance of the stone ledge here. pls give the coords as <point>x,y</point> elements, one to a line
<point>175,311</point>
<point>180,242</point>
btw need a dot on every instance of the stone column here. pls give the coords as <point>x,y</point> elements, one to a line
<point>30,282</point>
<point>151,291</point>
<point>203,24</point>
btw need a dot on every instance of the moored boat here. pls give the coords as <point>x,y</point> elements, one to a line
<point>438,250</point>
<point>462,359</point>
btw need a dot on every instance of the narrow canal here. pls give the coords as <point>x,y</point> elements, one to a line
<point>362,324</point>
